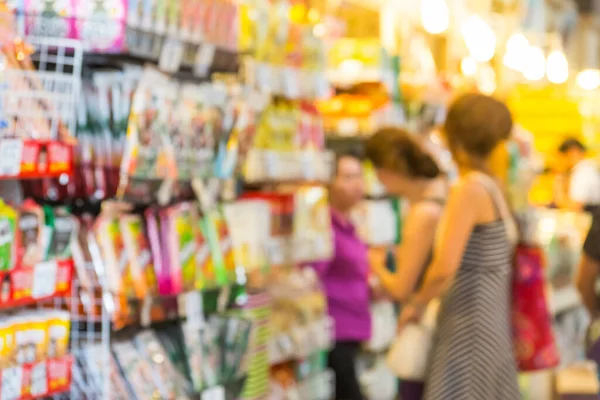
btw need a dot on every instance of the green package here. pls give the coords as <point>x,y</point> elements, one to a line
<point>8,223</point>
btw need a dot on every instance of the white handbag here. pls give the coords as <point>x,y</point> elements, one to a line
<point>409,353</point>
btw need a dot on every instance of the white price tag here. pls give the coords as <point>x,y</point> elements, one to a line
<point>12,382</point>
<point>214,393</point>
<point>39,380</point>
<point>204,59</point>
<point>11,152</point>
<point>264,77</point>
<point>276,251</point>
<point>193,309</point>
<point>347,127</point>
<point>272,164</point>
<point>308,165</point>
<point>44,279</point>
<point>291,83</point>
<point>171,55</point>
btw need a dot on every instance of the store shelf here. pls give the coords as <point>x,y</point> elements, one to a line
<point>33,159</point>
<point>37,380</point>
<point>29,285</point>
<point>288,166</point>
<point>301,341</point>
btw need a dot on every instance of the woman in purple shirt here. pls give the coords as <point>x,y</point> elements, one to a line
<point>345,278</point>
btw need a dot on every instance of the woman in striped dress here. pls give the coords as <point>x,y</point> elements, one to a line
<point>472,355</point>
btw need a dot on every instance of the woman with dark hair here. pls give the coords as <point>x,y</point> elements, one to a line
<point>472,354</point>
<point>408,171</point>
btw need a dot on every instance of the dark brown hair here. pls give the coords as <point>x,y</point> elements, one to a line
<point>395,150</point>
<point>476,123</point>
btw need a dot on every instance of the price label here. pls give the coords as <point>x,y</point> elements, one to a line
<point>11,152</point>
<point>193,309</point>
<point>171,55</point>
<point>290,81</point>
<point>204,59</point>
<point>39,380</point>
<point>214,393</point>
<point>12,382</point>
<point>44,279</point>
<point>347,127</point>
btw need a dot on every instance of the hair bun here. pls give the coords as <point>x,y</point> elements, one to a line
<point>395,149</point>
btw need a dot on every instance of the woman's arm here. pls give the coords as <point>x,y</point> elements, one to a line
<point>456,226</point>
<point>417,241</point>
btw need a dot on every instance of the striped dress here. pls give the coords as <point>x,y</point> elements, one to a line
<point>472,354</point>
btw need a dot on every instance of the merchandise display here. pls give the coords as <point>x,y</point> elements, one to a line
<point>164,172</point>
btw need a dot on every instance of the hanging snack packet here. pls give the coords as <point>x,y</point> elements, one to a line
<point>8,237</point>
<point>183,246</point>
<point>136,371</point>
<point>139,254</point>
<point>62,232</point>
<point>31,223</point>
<point>169,382</point>
<point>58,333</point>
<point>214,274</point>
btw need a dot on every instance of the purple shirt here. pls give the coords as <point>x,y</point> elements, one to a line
<point>345,281</point>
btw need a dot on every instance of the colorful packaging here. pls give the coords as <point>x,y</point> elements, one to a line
<point>215,273</point>
<point>170,384</point>
<point>31,223</point>
<point>100,24</point>
<point>139,253</point>
<point>8,237</point>
<point>182,246</point>
<point>62,232</point>
<point>161,270</point>
<point>136,370</point>
<point>58,333</point>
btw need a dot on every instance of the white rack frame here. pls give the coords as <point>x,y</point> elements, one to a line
<point>56,85</point>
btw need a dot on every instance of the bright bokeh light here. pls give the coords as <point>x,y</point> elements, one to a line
<point>468,67</point>
<point>557,67</point>
<point>435,16</point>
<point>486,79</point>
<point>517,47</point>
<point>588,79</point>
<point>479,38</point>
<point>534,66</point>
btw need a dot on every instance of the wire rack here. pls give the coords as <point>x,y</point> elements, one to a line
<point>47,90</point>
<point>45,96</point>
<point>89,338</point>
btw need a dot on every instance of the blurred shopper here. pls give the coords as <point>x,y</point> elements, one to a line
<point>584,176</point>
<point>345,278</point>
<point>472,355</point>
<point>584,195</point>
<point>408,171</point>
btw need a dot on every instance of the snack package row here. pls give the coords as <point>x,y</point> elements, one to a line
<point>33,336</point>
<point>194,21</point>
<point>98,24</point>
<point>174,361</point>
<point>182,132</point>
<point>290,126</point>
<point>145,260</point>
<point>35,252</point>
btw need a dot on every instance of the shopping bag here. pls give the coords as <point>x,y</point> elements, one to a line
<point>409,354</point>
<point>533,337</point>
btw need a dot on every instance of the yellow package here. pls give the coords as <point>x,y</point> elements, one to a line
<point>37,337</point>
<point>58,333</point>
<point>3,346</point>
<point>22,352</point>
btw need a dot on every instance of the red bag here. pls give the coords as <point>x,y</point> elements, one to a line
<point>533,337</point>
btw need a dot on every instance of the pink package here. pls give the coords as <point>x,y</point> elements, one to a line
<point>50,18</point>
<point>170,248</point>
<point>163,275</point>
<point>100,24</point>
